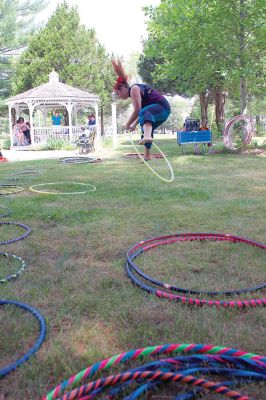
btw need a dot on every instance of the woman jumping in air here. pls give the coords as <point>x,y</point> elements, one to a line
<point>151,109</point>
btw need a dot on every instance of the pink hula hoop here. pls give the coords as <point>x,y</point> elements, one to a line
<point>249,131</point>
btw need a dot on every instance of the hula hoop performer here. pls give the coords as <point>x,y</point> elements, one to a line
<point>151,109</point>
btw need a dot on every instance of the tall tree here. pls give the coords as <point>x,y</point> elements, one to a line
<point>71,50</point>
<point>16,26</point>
<point>207,46</point>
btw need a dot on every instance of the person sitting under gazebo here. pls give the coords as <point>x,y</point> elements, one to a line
<point>18,133</point>
<point>25,129</point>
<point>56,119</point>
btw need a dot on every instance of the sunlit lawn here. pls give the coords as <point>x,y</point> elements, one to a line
<point>77,250</point>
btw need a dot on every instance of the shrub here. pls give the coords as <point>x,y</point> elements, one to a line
<point>56,144</point>
<point>6,144</point>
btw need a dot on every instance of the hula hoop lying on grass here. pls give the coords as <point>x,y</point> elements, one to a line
<point>7,199</point>
<point>28,230</point>
<point>32,188</point>
<point>197,358</point>
<point>16,274</point>
<point>6,189</point>
<point>79,160</point>
<point>5,213</point>
<point>6,370</point>
<point>132,270</point>
<point>148,165</point>
<point>136,155</point>
<point>27,174</point>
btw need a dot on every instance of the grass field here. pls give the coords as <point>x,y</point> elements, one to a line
<point>76,254</point>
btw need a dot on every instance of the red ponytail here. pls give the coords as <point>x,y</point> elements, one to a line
<point>122,76</point>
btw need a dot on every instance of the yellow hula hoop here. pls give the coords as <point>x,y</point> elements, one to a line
<point>150,168</point>
<point>32,188</point>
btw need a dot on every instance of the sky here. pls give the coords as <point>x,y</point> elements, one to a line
<point>119,24</point>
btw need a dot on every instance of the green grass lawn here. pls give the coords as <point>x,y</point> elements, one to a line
<point>76,253</point>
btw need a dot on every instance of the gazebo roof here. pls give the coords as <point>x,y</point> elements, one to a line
<point>52,91</point>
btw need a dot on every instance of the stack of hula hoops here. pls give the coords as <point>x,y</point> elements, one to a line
<point>12,183</point>
<point>79,160</point>
<point>181,294</point>
<point>249,130</point>
<point>136,155</point>
<point>201,368</point>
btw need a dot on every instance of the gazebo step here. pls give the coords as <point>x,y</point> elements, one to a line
<point>23,148</point>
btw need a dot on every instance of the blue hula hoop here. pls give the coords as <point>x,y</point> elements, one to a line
<point>11,367</point>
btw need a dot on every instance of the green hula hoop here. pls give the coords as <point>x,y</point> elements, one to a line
<point>32,188</point>
<point>150,168</point>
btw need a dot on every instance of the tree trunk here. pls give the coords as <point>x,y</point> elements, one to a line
<point>243,80</point>
<point>243,95</point>
<point>204,102</point>
<point>219,99</point>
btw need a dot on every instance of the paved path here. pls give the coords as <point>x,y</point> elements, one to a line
<point>27,155</point>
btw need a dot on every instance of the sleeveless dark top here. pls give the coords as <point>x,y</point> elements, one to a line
<point>150,96</point>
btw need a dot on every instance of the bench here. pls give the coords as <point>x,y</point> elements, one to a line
<point>195,137</point>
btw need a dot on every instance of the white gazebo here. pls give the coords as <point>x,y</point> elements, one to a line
<point>53,95</point>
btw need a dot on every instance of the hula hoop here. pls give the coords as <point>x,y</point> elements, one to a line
<point>6,189</point>
<point>249,130</point>
<point>135,155</point>
<point>132,270</point>
<point>183,358</point>
<point>6,370</point>
<point>150,168</point>
<point>6,213</point>
<point>16,274</point>
<point>79,160</point>
<point>25,174</point>
<point>28,230</point>
<point>32,188</point>
<point>7,199</point>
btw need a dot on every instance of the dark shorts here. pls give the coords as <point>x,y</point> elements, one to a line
<point>27,134</point>
<point>157,114</point>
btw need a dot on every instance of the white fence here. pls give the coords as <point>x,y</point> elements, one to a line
<point>42,134</point>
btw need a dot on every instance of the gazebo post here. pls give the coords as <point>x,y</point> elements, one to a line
<point>44,116</point>
<point>31,108</point>
<point>75,116</point>
<point>10,125</point>
<point>96,108</point>
<point>98,142</point>
<point>69,110</point>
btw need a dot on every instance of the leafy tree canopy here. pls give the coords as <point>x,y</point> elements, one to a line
<point>71,50</point>
<point>16,26</point>
<point>197,44</point>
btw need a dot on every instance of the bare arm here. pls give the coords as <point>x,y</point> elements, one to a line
<point>136,102</point>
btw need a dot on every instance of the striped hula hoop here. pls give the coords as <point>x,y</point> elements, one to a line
<point>136,155</point>
<point>183,360</point>
<point>16,274</point>
<point>79,160</point>
<point>168,291</point>
<point>28,230</point>
<point>6,189</point>
<point>248,129</point>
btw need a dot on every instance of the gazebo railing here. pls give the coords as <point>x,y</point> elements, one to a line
<point>42,134</point>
